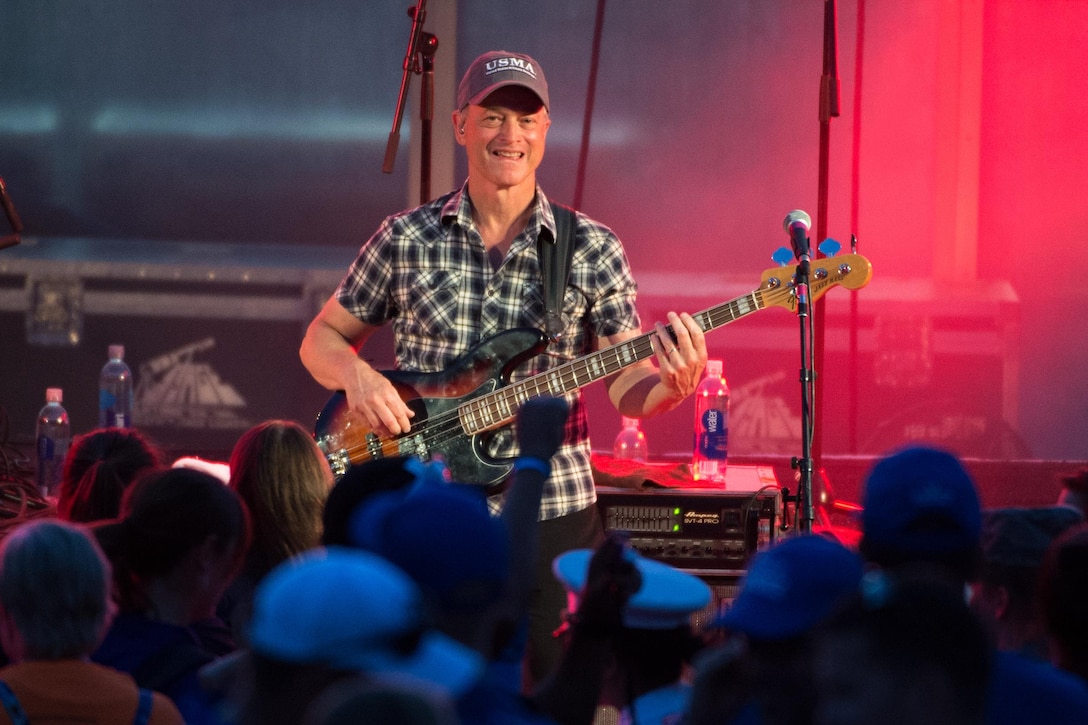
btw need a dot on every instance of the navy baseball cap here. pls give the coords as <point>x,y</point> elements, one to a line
<point>792,586</point>
<point>499,68</point>
<point>921,500</point>
<point>443,536</point>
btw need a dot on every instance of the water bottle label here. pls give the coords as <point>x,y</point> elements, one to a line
<point>46,448</point>
<point>713,438</point>
<point>109,415</point>
<point>706,471</point>
<point>115,418</point>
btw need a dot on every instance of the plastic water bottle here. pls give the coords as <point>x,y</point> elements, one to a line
<point>711,448</point>
<point>630,442</point>
<point>115,391</point>
<point>53,433</point>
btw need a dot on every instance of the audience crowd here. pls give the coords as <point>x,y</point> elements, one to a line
<point>263,591</point>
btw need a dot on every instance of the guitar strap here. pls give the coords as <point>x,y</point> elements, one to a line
<point>555,267</point>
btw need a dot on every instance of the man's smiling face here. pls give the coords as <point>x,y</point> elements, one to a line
<point>504,137</point>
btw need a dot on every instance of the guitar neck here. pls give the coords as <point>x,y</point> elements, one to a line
<point>501,406</point>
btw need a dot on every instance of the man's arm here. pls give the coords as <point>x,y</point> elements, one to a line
<point>644,389</point>
<point>329,352</point>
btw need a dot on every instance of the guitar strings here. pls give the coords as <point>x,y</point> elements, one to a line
<point>500,404</point>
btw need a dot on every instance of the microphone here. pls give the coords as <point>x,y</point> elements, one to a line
<point>797,224</point>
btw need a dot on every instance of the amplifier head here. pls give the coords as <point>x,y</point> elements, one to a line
<point>699,530</point>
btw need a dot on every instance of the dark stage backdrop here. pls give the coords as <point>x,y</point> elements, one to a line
<point>264,122</point>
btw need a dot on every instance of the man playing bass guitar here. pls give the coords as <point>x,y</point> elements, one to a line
<point>456,271</point>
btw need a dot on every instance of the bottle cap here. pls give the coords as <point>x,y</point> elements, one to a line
<point>714,368</point>
<point>54,395</point>
<point>629,422</point>
<point>117,352</point>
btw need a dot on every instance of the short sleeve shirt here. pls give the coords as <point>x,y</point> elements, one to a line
<point>426,272</point>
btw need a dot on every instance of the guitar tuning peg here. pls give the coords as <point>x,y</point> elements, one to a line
<point>830,247</point>
<point>782,256</point>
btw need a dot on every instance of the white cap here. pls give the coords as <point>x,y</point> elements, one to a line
<point>54,395</point>
<point>117,352</point>
<point>666,597</point>
<point>629,422</point>
<point>213,468</point>
<point>714,368</point>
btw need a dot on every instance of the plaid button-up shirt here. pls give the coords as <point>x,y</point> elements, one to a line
<point>426,271</point>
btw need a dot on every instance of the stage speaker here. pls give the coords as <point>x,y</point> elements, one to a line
<point>724,590</point>
<point>211,333</point>
<point>895,369</point>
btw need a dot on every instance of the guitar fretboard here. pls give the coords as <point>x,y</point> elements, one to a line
<point>501,406</point>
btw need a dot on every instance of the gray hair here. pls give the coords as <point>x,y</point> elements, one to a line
<point>55,587</point>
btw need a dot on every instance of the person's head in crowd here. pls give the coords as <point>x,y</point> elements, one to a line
<point>358,483</point>
<point>54,592</point>
<point>921,506</point>
<point>1063,590</point>
<point>651,639</point>
<point>281,474</point>
<point>443,536</point>
<point>1014,542</point>
<point>788,590</point>
<point>791,586</point>
<point>922,514</point>
<point>906,649</point>
<point>98,469</point>
<point>333,613</point>
<point>179,542</point>
<point>215,469</point>
<point>55,609</point>
<point>1075,491</point>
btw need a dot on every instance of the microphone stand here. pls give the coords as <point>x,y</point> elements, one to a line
<point>427,49</point>
<point>419,58</point>
<point>829,108</point>
<point>804,464</point>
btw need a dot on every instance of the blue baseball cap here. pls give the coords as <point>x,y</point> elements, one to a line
<point>443,536</point>
<point>920,500</point>
<point>792,586</point>
<point>353,610</point>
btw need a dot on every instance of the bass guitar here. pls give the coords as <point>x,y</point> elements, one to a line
<point>455,409</point>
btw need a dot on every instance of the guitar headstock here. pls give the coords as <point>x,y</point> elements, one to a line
<point>852,271</point>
